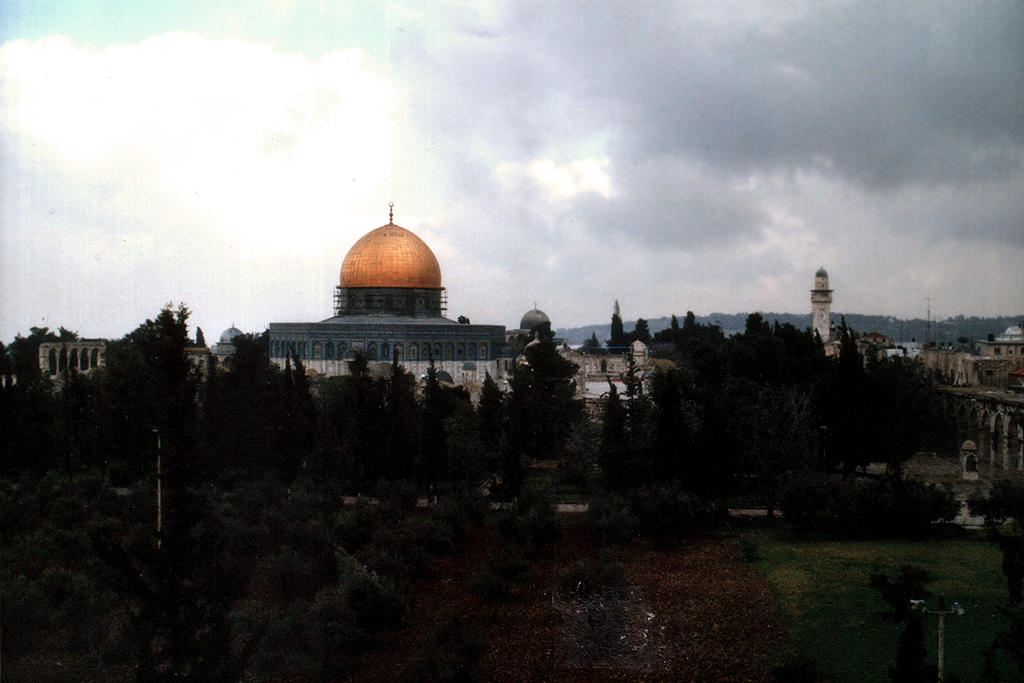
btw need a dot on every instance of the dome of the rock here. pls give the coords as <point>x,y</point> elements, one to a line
<point>390,256</point>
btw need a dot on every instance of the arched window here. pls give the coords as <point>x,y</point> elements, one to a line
<point>74,359</point>
<point>371,351</point>
<point>63,360</point>
<point>413,351</point>
<point>83,359</point>
<point>483,351</point>
<point>460,352</point>
<point>328,350</point>
<point>449,351</point>
<point>53,362</point>
<point>471,351</point>
<point>95,358</point>
<point>398,352</point>
<point>318,350</point>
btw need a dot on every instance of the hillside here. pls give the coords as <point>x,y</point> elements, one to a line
<point>947,331</point>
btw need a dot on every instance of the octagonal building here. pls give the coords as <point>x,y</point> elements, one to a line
<point>389,303</point>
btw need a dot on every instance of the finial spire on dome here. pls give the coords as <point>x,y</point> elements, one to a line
<point>391,213</point>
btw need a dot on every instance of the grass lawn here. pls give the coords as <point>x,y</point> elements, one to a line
<point>831,614</point>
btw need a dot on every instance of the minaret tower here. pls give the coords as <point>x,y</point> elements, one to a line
<point>821,305</point>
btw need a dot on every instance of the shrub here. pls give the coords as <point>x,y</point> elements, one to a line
<point>376,603</point>
<point>667,511</point>
<point>531,523</point>
<point>1006,500</point>
<point>431,534</point>
<point>873,508</point>
<point>500,573</point>
<point>397,497</point>
<point>610,520</point>
<point>356,526</point>
<point>461,511</point>
<point>450,651</point>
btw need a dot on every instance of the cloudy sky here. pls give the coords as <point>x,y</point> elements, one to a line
<point>672,155</point>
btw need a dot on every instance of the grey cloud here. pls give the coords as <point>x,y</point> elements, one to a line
<point>884,93</point>
<point>881,95</point>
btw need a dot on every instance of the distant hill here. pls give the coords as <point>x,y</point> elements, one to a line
<point>947,331</point>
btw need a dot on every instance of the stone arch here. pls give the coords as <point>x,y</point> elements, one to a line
<point>94,358</point>
<point>985,437</point>
<point>83,359</point>
<point>73,363</point>
<point>1013,441</point>
<point>52,362</point>
<point>999,440</point>
<point>961,414</point>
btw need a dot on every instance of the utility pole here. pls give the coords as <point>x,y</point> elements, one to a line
<point>956,609</point>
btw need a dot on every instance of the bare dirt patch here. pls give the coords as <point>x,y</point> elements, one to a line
<point>692,613</point>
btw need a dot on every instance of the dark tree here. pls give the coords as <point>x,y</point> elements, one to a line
<point>433,444</point>
<point>403,415</point>
<point>618,337</point>
<point>642,332</point>
<point>492,416</point>
<point>614,452</point>
<point>24,354</point>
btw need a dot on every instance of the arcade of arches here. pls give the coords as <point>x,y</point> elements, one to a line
<point>992,420</point>
<point>82,355</point>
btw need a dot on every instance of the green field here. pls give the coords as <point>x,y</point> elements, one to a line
<point>831,614</point>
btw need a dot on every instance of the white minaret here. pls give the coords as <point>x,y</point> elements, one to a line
<point>821,305</point>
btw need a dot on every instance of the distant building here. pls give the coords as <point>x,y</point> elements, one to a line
<point>821,312</point>
<point>225,347</point>
<point>80,355</point>
<point>1010,344</point>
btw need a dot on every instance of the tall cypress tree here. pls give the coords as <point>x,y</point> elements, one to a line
<point>618,338</point>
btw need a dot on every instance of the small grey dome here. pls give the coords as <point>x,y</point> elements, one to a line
<point>821,273</point>
<point>228,335</point>
<point>533,318</point>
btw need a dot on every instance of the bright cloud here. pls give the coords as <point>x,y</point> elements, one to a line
<point>194,150</point>
<point>561,181</point>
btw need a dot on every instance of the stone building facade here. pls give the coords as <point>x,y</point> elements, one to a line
<point>81,355</point>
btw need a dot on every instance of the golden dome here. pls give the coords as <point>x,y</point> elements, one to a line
<point>390,256</point>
